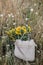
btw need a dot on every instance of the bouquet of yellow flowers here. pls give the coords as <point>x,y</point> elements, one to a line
<point>20,32</point>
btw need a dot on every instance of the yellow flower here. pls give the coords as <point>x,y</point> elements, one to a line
<point>29,28</point>
<point>10,31</point>
<point>13,30</point>
<point>24,29</point>
<point>18,30</point>
<point>7,32</point>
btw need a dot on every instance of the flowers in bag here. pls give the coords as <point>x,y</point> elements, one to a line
<point>20,32</point>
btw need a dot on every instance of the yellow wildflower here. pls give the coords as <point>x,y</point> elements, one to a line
<point>13,30</point>
<point>7,32</point>
<point>29,28</point>
<point>24,29</point>
<point>18,30</point>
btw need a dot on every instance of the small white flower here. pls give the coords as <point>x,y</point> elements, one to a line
<point>26,25</point>
<point>7,24</point>
<point>14,23</point>
<point>1,15</point>
<point>8,45</point>
<point>6,55</point>
<point>36,13</point>
<point>38,51</point>
<point>35,4</point>
<point>31,9</point>
<point>12,16</point>
<point>26,19</point>
<point>9,15</point>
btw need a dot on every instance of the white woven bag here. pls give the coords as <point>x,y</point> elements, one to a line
<point>25,50</point>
